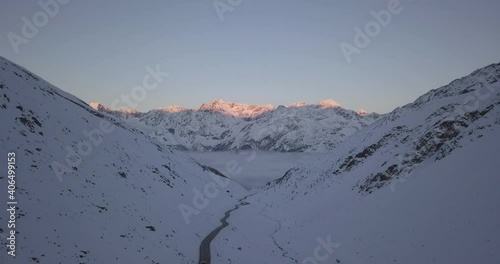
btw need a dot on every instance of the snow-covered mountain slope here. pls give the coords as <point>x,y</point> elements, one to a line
<point>230,126</point>
<point>417,186</point>
<point>91,191</point>
<point>235,109</point>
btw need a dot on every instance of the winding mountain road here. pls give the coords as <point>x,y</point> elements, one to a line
<point>205,244</point>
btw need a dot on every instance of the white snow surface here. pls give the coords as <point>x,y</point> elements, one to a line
<point>420,185</point>
<point>119,205</point>
<point>256,167</point>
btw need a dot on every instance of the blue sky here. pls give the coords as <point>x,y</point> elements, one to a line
<point>263,52</point>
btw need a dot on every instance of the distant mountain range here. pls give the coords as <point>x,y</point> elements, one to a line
<point>219,125</point>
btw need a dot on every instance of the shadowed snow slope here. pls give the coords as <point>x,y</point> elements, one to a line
<point>118,203</point>
<point>420,185</point>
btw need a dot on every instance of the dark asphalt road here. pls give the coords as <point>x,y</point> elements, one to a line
<point>205,244</point>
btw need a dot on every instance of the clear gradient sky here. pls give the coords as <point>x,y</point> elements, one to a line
<point>263,52</point>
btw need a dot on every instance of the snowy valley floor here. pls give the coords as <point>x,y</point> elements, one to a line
<point>429,218</point>
<point>254,168</point>
<point>448,224</point>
